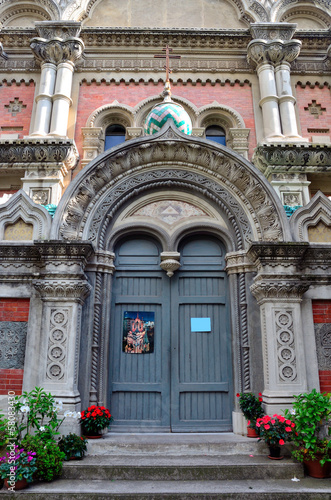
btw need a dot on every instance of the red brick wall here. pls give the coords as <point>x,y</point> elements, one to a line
<point>322,96</point>
<point>11,380</point>
<point>13,310</point>
<point>25,93</point>
<point>94,95</point>
<point>322,314</point>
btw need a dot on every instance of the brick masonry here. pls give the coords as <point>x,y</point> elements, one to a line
<point>16,122</point>
<point>322,96</point>
<point>93,95</point>
<point>322,324</point>
<point>12,310</point>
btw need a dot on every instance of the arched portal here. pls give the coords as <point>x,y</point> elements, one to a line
<point>154,207</point>
<point>170,341</point>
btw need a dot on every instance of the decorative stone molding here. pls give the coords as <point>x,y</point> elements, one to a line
<point>273,31</point>
<point>327,60</point>
<point>21,207</point>
<point>238,140</point>
<point>106,114</point>
<point>58,29</point>
<point>271,158</point>
<point>238,262</point>
<point>273,52</point>
<point>170,262</point>
<point>264,291</point>
<point>168,147</point>
<point>57,344</point>
<point>12,344</point>
<point>59,290</point>
<point>57,252</point>
<point>57,51</point>
<point>92,141</point>
<point>133,132</point>
<point>29,154</point>
<point>215,109</point>
<point>102,262</point>
<point>323,345</point>
<point>317,210</point>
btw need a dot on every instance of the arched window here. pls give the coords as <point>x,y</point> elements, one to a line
<point>216,133</point>
<point>115,134</point>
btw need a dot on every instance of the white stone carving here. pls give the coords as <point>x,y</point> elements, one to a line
<point>317,210</point>
<point>20,206</point>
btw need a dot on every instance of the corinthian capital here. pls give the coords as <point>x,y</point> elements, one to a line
<point>56,50</point>
<point>327,60</point>
<point>273,51</point>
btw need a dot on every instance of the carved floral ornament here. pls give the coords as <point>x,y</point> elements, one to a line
<point>274,52</point>
<point>56,51</point>
<point>220,175</point>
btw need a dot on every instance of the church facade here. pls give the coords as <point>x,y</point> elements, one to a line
<point>165,234</point>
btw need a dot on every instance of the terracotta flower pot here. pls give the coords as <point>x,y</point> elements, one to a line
<point>99,436</point>
<point>315,469</point>
<point>19,485</point>
<point>251,433</point>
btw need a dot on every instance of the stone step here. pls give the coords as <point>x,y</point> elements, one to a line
<point>285,489</point>
<point>183,468</point>
<point>177,444</point>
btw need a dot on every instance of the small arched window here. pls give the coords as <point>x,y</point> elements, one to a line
<point>115,134</point>
<point>216,133</point>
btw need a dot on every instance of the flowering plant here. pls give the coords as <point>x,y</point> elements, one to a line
<point>275,430</point>
<point>95,418</point>
<point>251,406</point>
<point>18,464</point>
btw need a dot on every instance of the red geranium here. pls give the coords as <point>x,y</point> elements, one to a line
<point>274,431</point>
<point>95,419</point>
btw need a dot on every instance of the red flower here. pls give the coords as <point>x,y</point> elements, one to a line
<point>260,394</point>
<point>258,424</point>
<point>273,421</point>
<point>248,422</point>
<point>238,395</point>
<point>292,424</point>
<point>288,429</point>
<point>267,427</point>
<point>94,414</point>
<point>260,399</point>
<point>288,422</point>
<point>281,441</point>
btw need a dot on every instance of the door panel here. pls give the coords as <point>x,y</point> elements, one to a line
<point>184,385</point>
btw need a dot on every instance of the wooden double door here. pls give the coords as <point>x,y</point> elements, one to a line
<point>170,359</point>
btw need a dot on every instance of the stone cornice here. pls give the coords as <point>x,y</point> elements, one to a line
<point>63,251</point>
<point>271,158</point>
<point>238,262</point>
<point>32,153</point>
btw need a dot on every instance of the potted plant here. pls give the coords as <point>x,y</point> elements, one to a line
<point>94,420</point>
<point>275,431</point>
<point>311,413</point>
<point>73,446</point>
<point>49,457</point>
<point>251,406</point>
<point>18,467</point>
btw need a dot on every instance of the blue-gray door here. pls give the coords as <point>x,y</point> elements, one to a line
<point>183,381</point>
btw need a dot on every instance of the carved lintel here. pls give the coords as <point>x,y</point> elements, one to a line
<point>62,251</point>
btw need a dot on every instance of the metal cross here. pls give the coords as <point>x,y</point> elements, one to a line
<point>167,56</point>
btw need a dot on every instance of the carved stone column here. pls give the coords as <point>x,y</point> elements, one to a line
<point>57,50</point>
<point>271,52</point>
<point>278,289</point>
<point>63,288</point>
<point>91,143</point>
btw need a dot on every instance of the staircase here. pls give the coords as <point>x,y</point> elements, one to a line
<point>179,466</point>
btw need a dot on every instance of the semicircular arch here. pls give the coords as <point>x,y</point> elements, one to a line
<point>170,160</point>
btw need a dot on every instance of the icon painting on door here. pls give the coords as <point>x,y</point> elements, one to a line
<point>138,332</point>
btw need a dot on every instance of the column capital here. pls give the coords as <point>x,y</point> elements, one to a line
<point>327,59</point>
<point>57,51</point>
<point>59,290</point>
<point>269,290</point>
<point>272,51</point>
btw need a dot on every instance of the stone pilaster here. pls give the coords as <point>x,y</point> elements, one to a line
<point>57,50</point>
<point>271,53</point>
<point>278,289</point>
<point>63,288</point>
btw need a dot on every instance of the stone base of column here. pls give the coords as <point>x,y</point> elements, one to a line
<point>239,423</point>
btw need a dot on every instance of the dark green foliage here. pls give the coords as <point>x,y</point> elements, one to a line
<point>73,446</point>
<point>251,406</point>
<point>49,457</point>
